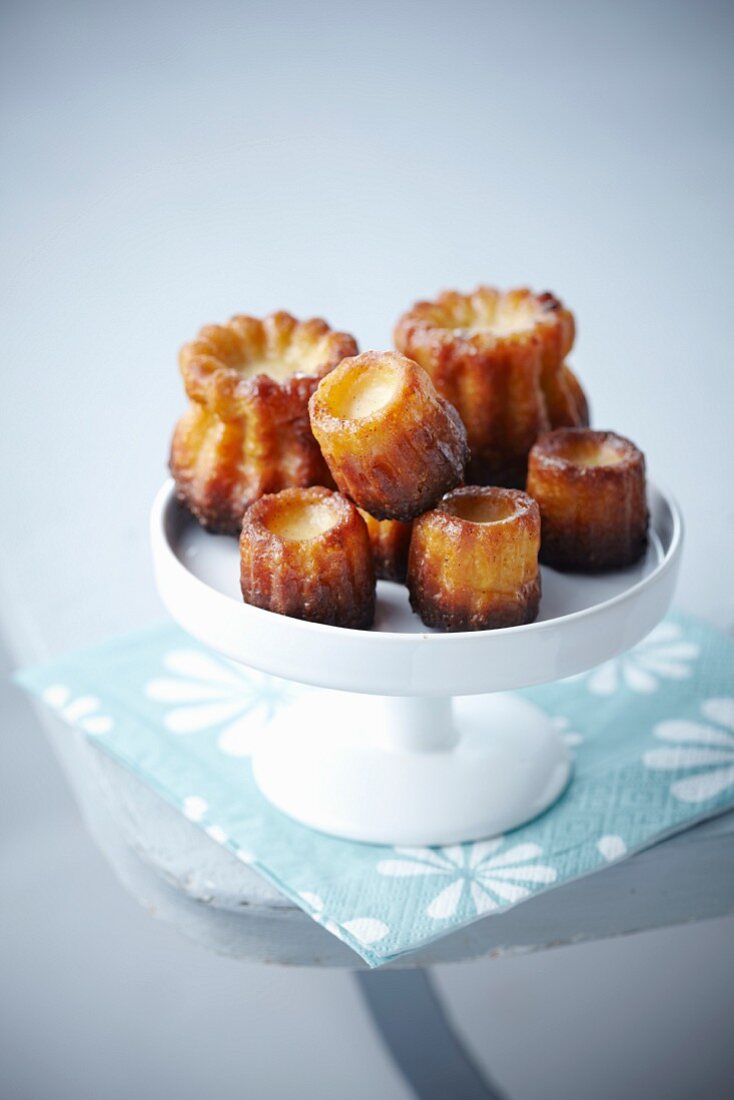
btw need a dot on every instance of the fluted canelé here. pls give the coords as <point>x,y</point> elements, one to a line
<point>392,443</point>
<point>306,553</point>
<point>498,357</point>
<point>473,562</point>
<point>590,487</point>
<point>246,431</point>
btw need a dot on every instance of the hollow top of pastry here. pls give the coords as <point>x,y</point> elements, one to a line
<point>586,453</point>
<point>585,449</point>
<point>501,315</point>
<point>483,509</point>
<point>365,393</point>
<point>488,315</point>
<point>223,358</point>
<point>301,520</point>
<point>362,386</point>
<point>486,505</point>
<point>298,515</point>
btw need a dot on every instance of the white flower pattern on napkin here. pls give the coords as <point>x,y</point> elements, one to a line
<point>207,693</point>
<point>367,930</point>
<point>663,655</point>
<point>569,737</point>
<point>84,711</point>
<point>493,877</point>
<point>709,749</point>
<point>611,846</point>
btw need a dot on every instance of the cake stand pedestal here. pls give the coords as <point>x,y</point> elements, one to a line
<point>412,770</point>
<point>420,743</point>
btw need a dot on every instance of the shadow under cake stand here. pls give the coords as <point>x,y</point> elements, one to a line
<point>417,741</point>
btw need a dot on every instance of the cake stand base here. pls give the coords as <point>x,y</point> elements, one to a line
<point>411,771</point>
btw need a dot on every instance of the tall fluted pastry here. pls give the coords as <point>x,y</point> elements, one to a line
<point>498,357</point>
<point>390,541</point>
<point>306,553</point>
<point>246,431</point>
<point>590,487</point>
<point>473,562</point>
<point>392,443</point>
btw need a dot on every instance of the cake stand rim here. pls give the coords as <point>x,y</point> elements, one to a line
<point>415,664</point>
<point>166,497</point>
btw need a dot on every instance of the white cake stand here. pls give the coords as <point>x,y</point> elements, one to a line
<point>392,756</point>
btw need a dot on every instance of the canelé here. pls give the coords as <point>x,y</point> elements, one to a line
<point>306,553</point>
<point>590,487</point>
<point>473,562</point>
<point>390,541</point>
<point>246,431</point>
<point>392,443</point>
<point>498,357</point>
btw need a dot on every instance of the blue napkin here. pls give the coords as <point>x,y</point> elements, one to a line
<point>652,733</point>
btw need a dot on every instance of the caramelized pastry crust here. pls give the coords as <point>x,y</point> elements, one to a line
<point>246,431</point>
<point>391,442</point>
<point>306,553</point>
<point>590,487</point>
<point>390,541</point>
<point>498,357</point>
<point>575,413</point>
<point>473,562</point>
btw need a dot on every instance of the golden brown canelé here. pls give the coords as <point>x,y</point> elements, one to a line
<point>390,541</point>
<point>392,444</point>
<point>306,553</point>
<point>498,357</point>
<point>246,431</point>
<point>473,562</point>
<point>590,487</point>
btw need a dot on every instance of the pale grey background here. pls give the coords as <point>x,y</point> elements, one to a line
<point>169,164</point>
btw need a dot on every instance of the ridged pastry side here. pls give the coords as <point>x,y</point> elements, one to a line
<point>222,365</point>
<point>393,445</point>
<point>566,400</point>
<point>473,562</point>
<point>571,408</point>
<point>498,357</point>
<point>590,487</point>
<point>221,466</point>
<point>390,542</point>
<point>305,553</point>
<point>246,431</point>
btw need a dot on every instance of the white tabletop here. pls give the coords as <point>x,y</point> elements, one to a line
<point>139,209</point>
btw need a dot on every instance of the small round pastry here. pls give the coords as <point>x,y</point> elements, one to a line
<point>498,357</point>
<point>306,553</point>
<point>590,487</point>
<point>246,431</point>
<point>390,541</point>
<point>473,562</point>
<point>392,444</point>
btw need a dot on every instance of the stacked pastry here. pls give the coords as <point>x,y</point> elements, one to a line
<point>500,359</point>
<point>246,431</point>
<point>336,468</point>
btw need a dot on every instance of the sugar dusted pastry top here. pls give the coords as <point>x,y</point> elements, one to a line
<point>226,365</point>
<point>487,317</point>
<point>393,444</point>
<point>246,430</point>
<point>498,357</point>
